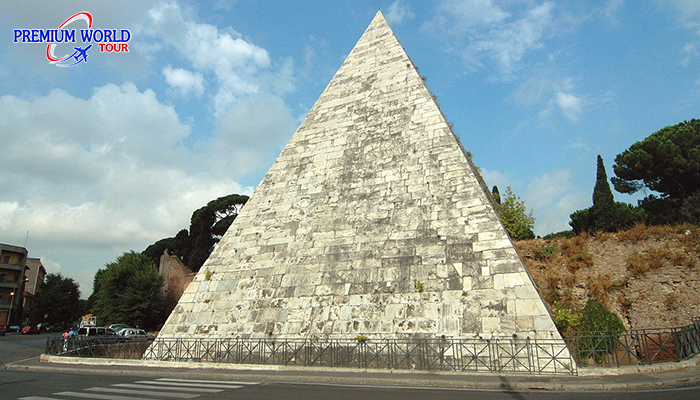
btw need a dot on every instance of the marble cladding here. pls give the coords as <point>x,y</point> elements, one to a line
<point>372,221</point>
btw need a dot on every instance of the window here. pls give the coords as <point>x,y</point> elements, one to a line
<point>6,259</point>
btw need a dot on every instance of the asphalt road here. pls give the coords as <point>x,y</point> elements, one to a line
<point>82,384</point>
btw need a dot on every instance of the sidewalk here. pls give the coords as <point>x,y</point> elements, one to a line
<point>626,378</point>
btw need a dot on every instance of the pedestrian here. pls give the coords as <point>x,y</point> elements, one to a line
<point>66,336</point>
<point>71,333</point>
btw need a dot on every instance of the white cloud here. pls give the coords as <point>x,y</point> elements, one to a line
<point>495,178</point>
<point>556,218</point>
<point>493,34</point>
<point>690,52</point>
<point>611,9</point>
<point>235,62</point>
<point>101,175</point>
<point>543,191</point>
<point>688,12</point>
<point>462,16</point>
<point>250,130</point>
<point>398,12</point>
<point>552,198</point>
<point>184,82</point>
<point>570,105</point>
<point>546,87</point>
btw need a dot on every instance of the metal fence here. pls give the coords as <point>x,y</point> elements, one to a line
<point>636,347</point>
<point>643,346</point>
<point>496,355</point>
<point>79,346</point>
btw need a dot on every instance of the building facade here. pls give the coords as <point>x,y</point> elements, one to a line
<point>13,260</point>
<point>35,275</point>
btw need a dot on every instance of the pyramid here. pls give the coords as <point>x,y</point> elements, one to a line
<point>372,221</point>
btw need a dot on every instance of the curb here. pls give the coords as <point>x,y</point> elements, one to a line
<point>684,373</point>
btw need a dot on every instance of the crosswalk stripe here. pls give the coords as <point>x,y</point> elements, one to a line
<point>144,392</point>
<point>99,396</point>
<point>37,398</point>
<point>203,385</point>
<point>152,387</point>
<point>203,381</point>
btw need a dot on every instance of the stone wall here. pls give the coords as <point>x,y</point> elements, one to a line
<point>176,276</point>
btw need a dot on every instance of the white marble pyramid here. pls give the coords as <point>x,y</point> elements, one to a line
<point>372,221</point>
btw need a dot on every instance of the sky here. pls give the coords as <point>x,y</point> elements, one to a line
<point>115,153</point>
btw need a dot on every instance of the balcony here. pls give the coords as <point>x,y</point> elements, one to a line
<point>8,284</point>
<point>11,267</point>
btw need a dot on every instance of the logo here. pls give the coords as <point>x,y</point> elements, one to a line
<point>107,40</point>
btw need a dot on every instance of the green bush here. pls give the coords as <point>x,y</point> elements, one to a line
<point>602,327</point>
<point>565,317</point>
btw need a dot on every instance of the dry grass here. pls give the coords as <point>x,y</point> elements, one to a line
<point>683,259</point>
<point>572,246</point>
<point>582,259</point>
<point>639,263</point>
<point>600,287</point>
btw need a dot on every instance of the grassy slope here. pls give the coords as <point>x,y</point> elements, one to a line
<point>650,276</point>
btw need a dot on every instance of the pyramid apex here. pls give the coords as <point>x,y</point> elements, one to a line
<point>379,19</point>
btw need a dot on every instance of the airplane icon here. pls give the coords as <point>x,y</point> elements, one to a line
<point>80,53</point>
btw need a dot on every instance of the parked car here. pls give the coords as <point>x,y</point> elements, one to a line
<point>52,328</point>
<point>13,328</point>
<point>135,334</point>
<point>31,329</point>
<point>96,331</point>
<point>118,327</point>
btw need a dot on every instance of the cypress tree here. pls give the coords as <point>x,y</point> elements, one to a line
<point>603,212</point>
<point>496,194</point>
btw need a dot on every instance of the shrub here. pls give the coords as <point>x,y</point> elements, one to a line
<point>562,234</point>
<point>565,317</point>
<point>544,253</point>
<point>602,328</point>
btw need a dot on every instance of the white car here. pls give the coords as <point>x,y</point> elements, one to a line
<point>134,333</point>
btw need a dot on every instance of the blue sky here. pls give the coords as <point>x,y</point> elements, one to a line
<point>115,153</point>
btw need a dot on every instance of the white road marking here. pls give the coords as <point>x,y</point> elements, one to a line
<point>185,384</point>
<point>144,392</point>
<point>152,387</point>
<point>37,398</point>
<point>202,381</point>
<point>99,396</point>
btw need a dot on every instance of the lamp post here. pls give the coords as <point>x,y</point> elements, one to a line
<point>12,298</point>
<point>12,303</point>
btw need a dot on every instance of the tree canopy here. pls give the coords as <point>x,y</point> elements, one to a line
<point>207,225</point>
<point>668,163</point>
<point>515,217</point>
<point>129,291</point>
<point>57,302</point>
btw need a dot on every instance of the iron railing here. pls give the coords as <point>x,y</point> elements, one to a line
<point>636,347</point>
<point>642,346</point>
<point>79,346</point>
<point>496,355</point>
